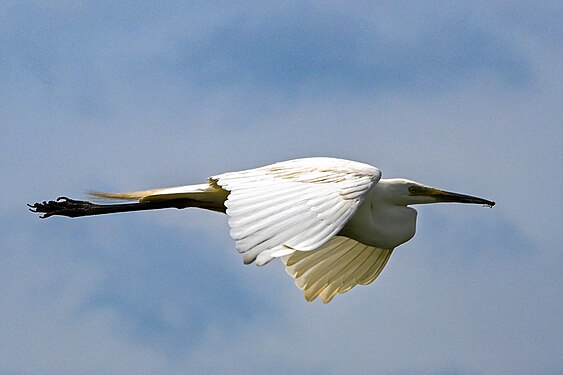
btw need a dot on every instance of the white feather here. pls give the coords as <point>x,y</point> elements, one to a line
<point>298,204</point>
<point>336,267</point>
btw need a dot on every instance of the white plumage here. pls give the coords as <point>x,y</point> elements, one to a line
<point>293,205</point>
<point>333,222</point>
<point>335,267</point>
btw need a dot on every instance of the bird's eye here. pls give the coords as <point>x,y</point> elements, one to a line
<point>413,189</point>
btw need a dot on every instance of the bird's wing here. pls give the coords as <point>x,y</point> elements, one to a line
<point>336,267</point>
<point>294,205</point>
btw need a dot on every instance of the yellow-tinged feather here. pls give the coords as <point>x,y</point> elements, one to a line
<point>130,196</point>
<point>335,267</point>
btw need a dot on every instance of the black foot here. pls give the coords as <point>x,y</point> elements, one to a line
<point>62,206</point>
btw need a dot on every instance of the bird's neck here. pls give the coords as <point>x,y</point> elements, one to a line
<point>380,223</point>
<point>396,223</point>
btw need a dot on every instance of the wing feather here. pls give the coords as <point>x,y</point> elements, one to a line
<point>329,274</point>
<point>343,282</point>
<point>239,206</point>
<point>374,271</point>
<point>336,267</point>
<point>294,205</point>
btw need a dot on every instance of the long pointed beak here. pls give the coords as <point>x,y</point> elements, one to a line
<point>446,196</point>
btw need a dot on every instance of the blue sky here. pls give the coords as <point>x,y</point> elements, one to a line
<point>125,96</point>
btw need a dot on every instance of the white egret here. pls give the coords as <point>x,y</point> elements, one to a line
<point>334,223</point>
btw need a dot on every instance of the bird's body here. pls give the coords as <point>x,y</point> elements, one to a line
<point>333,222</point>
<point>380,223</point>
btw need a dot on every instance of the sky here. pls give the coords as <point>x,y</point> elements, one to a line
<point>118,96</point>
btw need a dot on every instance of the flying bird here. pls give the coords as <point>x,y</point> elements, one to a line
<point>334,223</point>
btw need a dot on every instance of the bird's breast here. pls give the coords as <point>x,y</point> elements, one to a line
<point>381,225</point>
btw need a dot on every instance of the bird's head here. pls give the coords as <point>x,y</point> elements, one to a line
<point>407,192</point>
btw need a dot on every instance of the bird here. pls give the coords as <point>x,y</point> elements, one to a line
<point>334,223</point>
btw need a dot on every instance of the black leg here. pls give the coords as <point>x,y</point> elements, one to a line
<point>64,206</point>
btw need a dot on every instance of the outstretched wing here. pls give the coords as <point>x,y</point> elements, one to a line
<point>336,267</point>
<point>293,205</point>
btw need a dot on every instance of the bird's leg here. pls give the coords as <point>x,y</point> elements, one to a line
<point>64,206</point>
